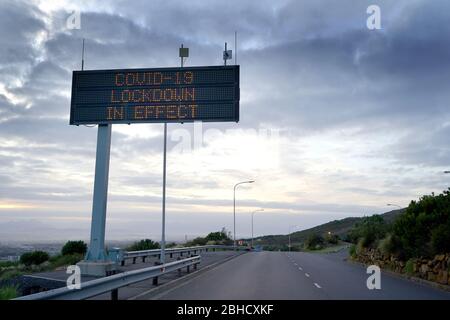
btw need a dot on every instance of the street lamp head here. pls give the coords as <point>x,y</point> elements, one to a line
<point>447,171</point>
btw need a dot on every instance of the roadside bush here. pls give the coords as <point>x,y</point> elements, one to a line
<point>352,251</point>
<point>8,292</point>
<point>440,239</point>
<point>409,267</point>
<point>145,244</point>
<point>220,237</point>
<point>34,258</point>
<point>199,241</point>
<point>370,230</point>
<point>7,264</point>
<point>314,242</point>
<point>171,245</point>
<point>10,274</point>
<point>332,238</point>
<point>72,247</point>
<point>423,230</point>
<point>390,245</point>
<point>66,260</point>
<point>359,247</point>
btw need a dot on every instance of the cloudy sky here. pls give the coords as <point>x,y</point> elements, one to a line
<point>336,120</point>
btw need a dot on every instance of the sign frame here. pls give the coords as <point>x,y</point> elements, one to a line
<point>233,104</point>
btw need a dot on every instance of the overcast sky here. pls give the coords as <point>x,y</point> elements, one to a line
<point>336,120</point>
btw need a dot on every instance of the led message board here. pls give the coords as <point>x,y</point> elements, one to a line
<point>155,95</point>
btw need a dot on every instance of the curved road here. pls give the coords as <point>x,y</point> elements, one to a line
<point>297,275</point>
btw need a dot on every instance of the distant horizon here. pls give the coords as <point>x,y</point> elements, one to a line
<point>169,238</point>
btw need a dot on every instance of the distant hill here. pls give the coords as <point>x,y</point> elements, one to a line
<point>337,227</point>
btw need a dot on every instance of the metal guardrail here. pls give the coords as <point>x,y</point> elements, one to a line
<point>171,251</point>
<point>113,283</point>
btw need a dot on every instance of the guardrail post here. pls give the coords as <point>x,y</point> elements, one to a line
<point>195,266</point>
<point>134,260</point>
<point>171,255</point>
<point>122,263</point>
<point>115,294</point>
<point>206,249</point>
<point>155,279</point>
<point>179,270</point>
<point>143,259</point>
<point>187,269</point>
<point>181,253</point>
<point>214,249</point>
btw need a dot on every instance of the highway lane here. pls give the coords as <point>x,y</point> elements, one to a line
<point>279,275</point>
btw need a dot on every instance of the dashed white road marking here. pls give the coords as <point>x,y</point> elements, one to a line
<point>317,285</point>
<point>300,268</point>
<point>307,275</point>
<point>295,264</point>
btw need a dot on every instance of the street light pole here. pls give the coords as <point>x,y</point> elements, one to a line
<point>183,53</point>
<point>290,236</point>
<point>253,213</point>
<point>234,210</point>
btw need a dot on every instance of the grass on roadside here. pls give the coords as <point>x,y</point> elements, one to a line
<point>66,260</point>
<point>7,293</point>
<point>330,249</point>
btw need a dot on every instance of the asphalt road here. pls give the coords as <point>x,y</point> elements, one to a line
<point>279,275</point>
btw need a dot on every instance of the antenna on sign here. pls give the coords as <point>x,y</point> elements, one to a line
<point>82,57</point>
<point>227,55</point>
<point>184,53</point>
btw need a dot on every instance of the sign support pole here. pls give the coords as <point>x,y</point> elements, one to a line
<point>163,234</point>
<point>96,250</point>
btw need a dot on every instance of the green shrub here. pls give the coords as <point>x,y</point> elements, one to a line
<point>199,241</point>
<point>7,293</point>
<point>217,236</point>
<point>314,242</point>
<point>34,258</point>
<point>390,245</point>
<point>359,247</point>
<point>423,228</point>
<point>352,251</point>
<point>440,239</point>
<point>145,244</point>
<point>409,266</point>
<point>10,274</point>
<point>332,238</point>
<point>7,264</point>
<point>72,247</point>
<point>66,260</point>
<point>370,230</point>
